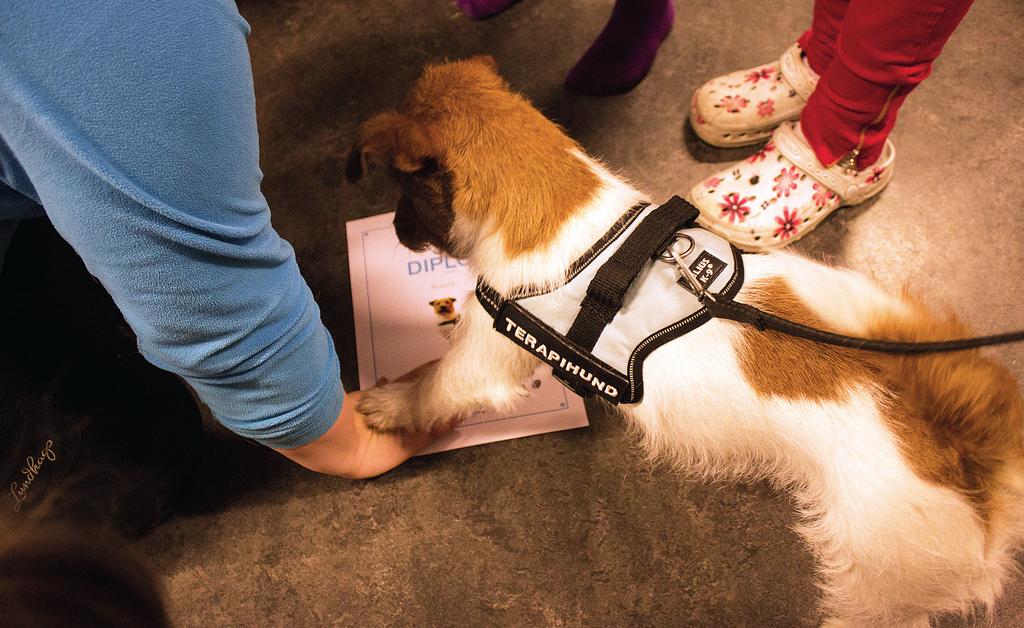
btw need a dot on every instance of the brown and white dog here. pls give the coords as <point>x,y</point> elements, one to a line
<point>908,471</point>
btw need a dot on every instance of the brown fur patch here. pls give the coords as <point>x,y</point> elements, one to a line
<point>507,161</point>
<point>958,417</point>
<point>777,365</point>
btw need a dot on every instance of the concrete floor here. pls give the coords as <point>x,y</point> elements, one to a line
<point>570,529</point>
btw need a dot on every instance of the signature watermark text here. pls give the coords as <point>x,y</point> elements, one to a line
<point>33,465</point>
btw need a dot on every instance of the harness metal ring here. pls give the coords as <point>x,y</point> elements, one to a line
<point>668,256</point>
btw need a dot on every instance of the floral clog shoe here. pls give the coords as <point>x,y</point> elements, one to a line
<point>780,193</point>
<point>742,108</point>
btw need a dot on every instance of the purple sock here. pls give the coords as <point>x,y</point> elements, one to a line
<point>480,9</point>
<point>622,54</point>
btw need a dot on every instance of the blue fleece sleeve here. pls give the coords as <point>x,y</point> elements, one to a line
<point>133,125</point>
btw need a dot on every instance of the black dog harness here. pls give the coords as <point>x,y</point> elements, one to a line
<point>620,301</point>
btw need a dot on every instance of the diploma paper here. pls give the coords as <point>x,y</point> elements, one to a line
<point>397,329</point>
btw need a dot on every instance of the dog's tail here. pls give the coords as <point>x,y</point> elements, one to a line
<point>962,394</point>
<point>969,405</point>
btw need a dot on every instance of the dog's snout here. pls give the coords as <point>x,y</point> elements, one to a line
<point>407,228</point>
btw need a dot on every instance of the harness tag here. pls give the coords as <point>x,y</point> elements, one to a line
<point>706,268</point>
<point>580,372</point>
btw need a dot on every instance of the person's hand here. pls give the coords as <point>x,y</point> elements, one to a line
<point>351,449</point>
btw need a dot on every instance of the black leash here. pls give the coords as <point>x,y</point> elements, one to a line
<point>743,313</point>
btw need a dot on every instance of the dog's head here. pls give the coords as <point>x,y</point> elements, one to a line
<point>473,158</point>
<point>443,307</point>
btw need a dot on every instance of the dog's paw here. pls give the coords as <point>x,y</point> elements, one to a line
<point>388,408</point>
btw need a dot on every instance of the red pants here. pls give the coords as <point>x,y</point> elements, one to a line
<point>870,55</point>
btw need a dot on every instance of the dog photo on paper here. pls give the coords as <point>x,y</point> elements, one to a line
<point>511,313</point>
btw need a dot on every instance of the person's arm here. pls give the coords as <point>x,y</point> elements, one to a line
<point>145,159</point>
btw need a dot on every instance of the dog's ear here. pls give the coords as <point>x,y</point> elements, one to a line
<point>432,303</point>
<point>454,299</point>
<point>396,138</point>
<point>355,165</point>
